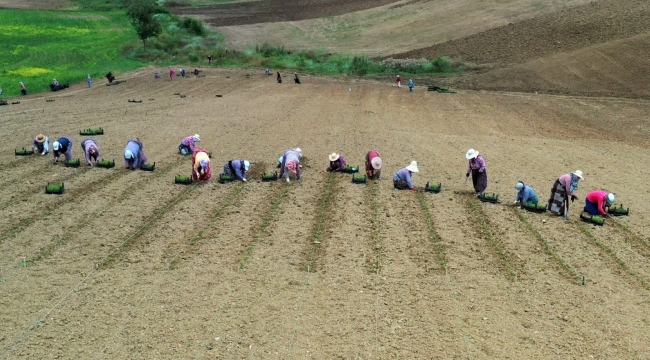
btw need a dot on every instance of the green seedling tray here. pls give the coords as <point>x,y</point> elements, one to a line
<point>105,164</point>
<point>72,163</point>
<point>491,198</point>
<point>359,179</point>
<point>349,169</point>
<point>54,188</point>
<point>180,179</point>
<point>538,208</point>
<point>619,211</point>
<point>592,219</point>
<point>23,152</point>
<point>435,188</point>
<point>223,178</point>
<point>270,176</point>
<point>148,167</point>
<point>91,132</point>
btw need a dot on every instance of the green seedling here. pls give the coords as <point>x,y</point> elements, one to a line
<point>434,188</point>
<point>23,152</point>
<point>619,211</point>
<point>54,188</point>
<point>223,178</point>
<point>148,167</point>
<point>592,219</point>
<point>349,169</point>
<point>359,179</point>
<point>105,164</point>
<point>270,176</point>
<point>540,208</point>
<point>180,179</point>
<point>91,132</point>
<point>72,163</point>
<point>491,198</point>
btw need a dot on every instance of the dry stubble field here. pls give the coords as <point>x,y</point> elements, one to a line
<point>129,265</point>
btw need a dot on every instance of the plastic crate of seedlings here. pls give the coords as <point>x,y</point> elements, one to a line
<point>592,219</point>
<point>359,179</point>
<point>618,211</point>
<point>23,152</point>
<point>106,164</point>
<point>148,167</point>
<point>537,208</point>
<point>223,178</point>
<point>349,169</point>
<point>184,180</point>
<point>269,176</point>
<point>490,198</point>
<point>54,188</point>
<point>72,163</point>
<point>433,188</point>
<point>92,132</point>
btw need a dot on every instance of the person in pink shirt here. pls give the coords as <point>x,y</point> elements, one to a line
<point>172,74</point>
<point>563,189</point>
<point>598,201</point>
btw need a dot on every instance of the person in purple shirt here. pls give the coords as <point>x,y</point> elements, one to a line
<point>187,146</point>
<point>41,143</point>
<point>62,146</point>
<point>337,162</point>
<point>477,169</point>
<point>291,163</point>
<point>402,179</point>
<point>237,168</point>
<point>91,151</point>
<point>134,156</point>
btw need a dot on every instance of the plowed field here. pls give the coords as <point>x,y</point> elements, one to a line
<point>129,265</point>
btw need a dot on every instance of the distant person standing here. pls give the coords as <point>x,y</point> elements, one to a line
<point>411,85</point>
<point>89,80</point>
<point>279,78</point>
<point>23,89</point>
<point>209,59</point>
<point>399,81</point>
<point>296,79</point>
<point>172,74</point>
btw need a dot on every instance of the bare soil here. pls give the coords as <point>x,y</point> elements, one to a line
<point>129,265</point>
<point>37,4</point>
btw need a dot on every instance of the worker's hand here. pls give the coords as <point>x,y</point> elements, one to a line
<point>573,198</point>
<point>414,189</point>
<point>467,175</point>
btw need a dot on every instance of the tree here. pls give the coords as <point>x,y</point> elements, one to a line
<point>141,13</point>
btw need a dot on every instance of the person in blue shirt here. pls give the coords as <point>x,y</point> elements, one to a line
<point>402,179</point>
<point>525,194</point>
<point>411,85</point>
<point>62,146</point>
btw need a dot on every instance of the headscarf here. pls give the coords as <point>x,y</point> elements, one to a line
<point>574,183</point>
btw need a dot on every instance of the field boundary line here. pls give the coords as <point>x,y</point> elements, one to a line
<point>433,234</point>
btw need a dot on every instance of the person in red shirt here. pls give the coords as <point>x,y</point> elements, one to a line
<point>399,81</point>
<point>598,202</point>
<point>373,165</point>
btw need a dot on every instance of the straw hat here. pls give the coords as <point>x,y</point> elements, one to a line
<point>298,150</point>
<point>56,145</point>
<point>413,167</point>
<point>471,154</point>
<point>376,163</point>
<point>610,198</point>
<point>334,156</point>
<point>40,137</point>
<point>196,137</point>
<point>577,173</point>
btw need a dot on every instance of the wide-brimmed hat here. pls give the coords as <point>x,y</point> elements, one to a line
<point>471,154</point>
<point>334,156</point>
<point>376,163</point>
<point>56,145</point>
<point>578,173</point>
<point>40,137</point>
<point>128,154</point>
<point>247,165</point>
<point>298,150</point>
<point>413,167</point>
<point>196,137</point>
<point>610,198</point>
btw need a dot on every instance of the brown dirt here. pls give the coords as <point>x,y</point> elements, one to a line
<point>37,4</point>
<point>175,289</point>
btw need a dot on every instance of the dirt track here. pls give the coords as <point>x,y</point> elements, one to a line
<point>221,270</point>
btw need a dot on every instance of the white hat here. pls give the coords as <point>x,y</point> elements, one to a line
<point>519,186</point>
<point>413,167</point>
<point>56,145</point>
<point>247,165</point>
<point>610,198</point>
<point>471,154</point>
<point>334,156</point>
<point>376,163</point>
<point>578,173</point>
<point>128,154</point>
<point>196,137</point>
<point>298,150</point>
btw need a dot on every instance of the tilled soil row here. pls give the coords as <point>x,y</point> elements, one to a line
<point>326,201</point>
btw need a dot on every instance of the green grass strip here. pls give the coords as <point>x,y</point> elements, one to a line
<point>325,205</point>
<point>265,223</point>
<point>475,208</point>
<point>570,271</point>
<point>614,256</point>
<point>432,231</point>
<point>216,214</point>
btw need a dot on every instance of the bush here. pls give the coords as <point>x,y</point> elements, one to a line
<point>442,64</point>
<point>193,26</point>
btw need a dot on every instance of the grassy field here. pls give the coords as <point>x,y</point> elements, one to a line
<point>41,45</point>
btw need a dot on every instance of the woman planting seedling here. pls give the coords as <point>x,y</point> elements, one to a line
<point>91,151</point>
<point>187,146</point>
<point>373,165</point>
<point>134,156</point>
<point>201,165</point>
<point>337,162</point>
<point>525,194</point>
<point>237,168</point>
<point>291,163</point>
<point>598,202</point>
<point>62,146</point>
<point>41,144</point>
<point>477,169</point>
<point>562,191</point>
<point>402,178</point>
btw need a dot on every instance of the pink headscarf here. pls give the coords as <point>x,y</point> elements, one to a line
<point>291,165</point>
